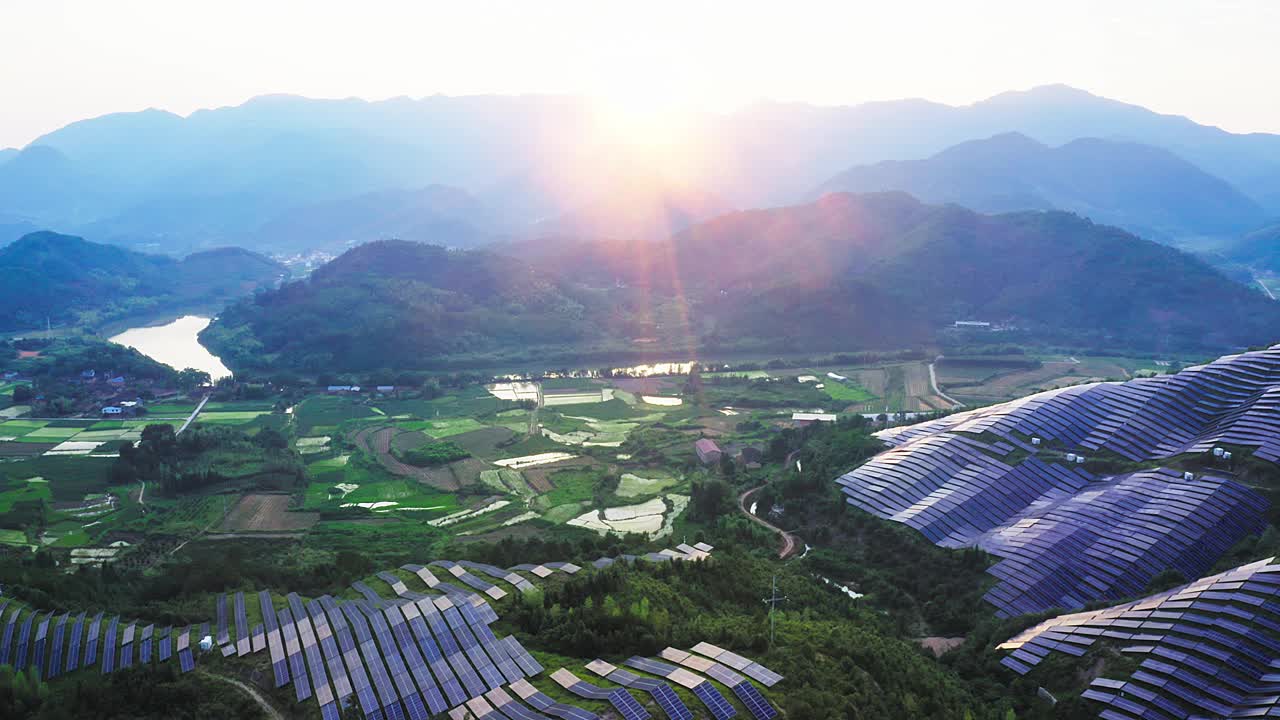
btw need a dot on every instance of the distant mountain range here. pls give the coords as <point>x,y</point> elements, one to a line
<point>849,272</point>
<point>60,279</point>
<point>546,165</point>
<point>1146,190</point>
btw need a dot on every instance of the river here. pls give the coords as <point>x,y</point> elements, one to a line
<point>175,345</point>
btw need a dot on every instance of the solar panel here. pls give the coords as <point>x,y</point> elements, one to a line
<point>1206,649</point>
<point>753,670</point>
<point>186,661</point>
<point>223,636</point>
<point>279,660</point>
<point>397,668</point>
<point>91,642</point>
<point>144,648</point>
<point>416,663</point>
<point>293,653</point>
<point>450,648</point>
<point>509,707</point>
<point>24,643</point>
<point>622,701</point>
<point>166,645</point>
<point>1066,537</point>
<point>311,651</point>
<point>73,647</point>
<point>387,694</point>
<point>662,693</point>
<point>244,644</point>
<point>126,646</point>
<point>54,667</point>
<point>755,702</point>
<point>342,688</point>
<point>431,652</point>
<point>39,661</point>
<point>109,646</point>
<point>541,701</point>
<point>351,659</point>
<point>711,697</point>
<point>6,639</point>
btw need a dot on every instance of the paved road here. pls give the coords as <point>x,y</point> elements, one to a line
<point>194,413</point>
<point>933,380</point>
<point>788,540</point>
<point>1266,290</point>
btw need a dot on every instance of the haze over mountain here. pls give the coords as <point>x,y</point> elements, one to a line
<point>166,182</point>
<point>849,272</point>
<point>1147,190</point>
<point>63,279</point>
<point>1258,250</point>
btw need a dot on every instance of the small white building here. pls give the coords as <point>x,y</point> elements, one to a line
<point>813,417</point>
<point>112,410</point>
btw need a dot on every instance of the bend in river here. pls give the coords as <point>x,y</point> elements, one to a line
<point>175,344</point>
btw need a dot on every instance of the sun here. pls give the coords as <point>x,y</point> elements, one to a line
<point>646,109</point>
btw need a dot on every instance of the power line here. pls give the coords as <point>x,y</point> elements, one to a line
<point>772,601</point>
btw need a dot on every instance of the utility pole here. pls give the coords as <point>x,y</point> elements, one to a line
<point>772,601</point>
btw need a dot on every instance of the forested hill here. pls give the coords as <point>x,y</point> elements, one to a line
<point>1144,189</point>
<point>1055,275</point>
<point>67,279</point>
<point>394,303</point>
<point>848,272</point>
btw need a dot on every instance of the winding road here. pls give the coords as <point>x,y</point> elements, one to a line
<point>788,540</point>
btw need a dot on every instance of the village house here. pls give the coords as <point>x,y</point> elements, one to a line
<point>708,452</point>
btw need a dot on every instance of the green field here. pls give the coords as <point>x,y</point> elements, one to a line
<point>442,428</point>
<point>572,486</point>
<point>849,393</point>
<point>328,411</point>
<point>13,537</point>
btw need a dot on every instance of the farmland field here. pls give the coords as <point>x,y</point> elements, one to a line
<point>266,513</point>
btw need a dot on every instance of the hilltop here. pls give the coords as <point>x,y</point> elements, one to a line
<point>849,272</point>
<point>65,279</point>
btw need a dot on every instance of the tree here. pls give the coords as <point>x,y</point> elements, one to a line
<point>189,379</point>
<point>23,394</point>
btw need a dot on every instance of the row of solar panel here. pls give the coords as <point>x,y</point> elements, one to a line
<point>57,643</point>
<point>1066,538</point>
<point>1232,400</point>
<point>1208,648</point>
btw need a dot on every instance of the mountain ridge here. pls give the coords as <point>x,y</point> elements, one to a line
<point>1147,190</point>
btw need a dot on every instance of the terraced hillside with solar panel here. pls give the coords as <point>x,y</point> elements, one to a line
<point>648,542</point>
<point>406,653</point>
<point>1032,481</point>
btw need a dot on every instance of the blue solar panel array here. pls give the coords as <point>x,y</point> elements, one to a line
<point>621,700</point>
<point>1066,537</point>
<point>279,660</point>
<point>38,660</point>
<point>414,657</point>
<point>1207,649</point>
<point>244,645</point>
<point>543,702</point>
<point>1232,400</point>
<point>661,692</point>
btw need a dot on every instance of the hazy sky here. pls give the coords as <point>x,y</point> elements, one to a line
<point>64,60</point>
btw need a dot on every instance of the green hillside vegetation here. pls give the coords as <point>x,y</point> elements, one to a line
<point>67,280</point>
<point>847,272</point>
<point>436,453</point>
<point>399,304</point>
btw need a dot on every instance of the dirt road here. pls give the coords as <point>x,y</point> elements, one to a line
<point>788,540</point>
<point>267,707</point>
